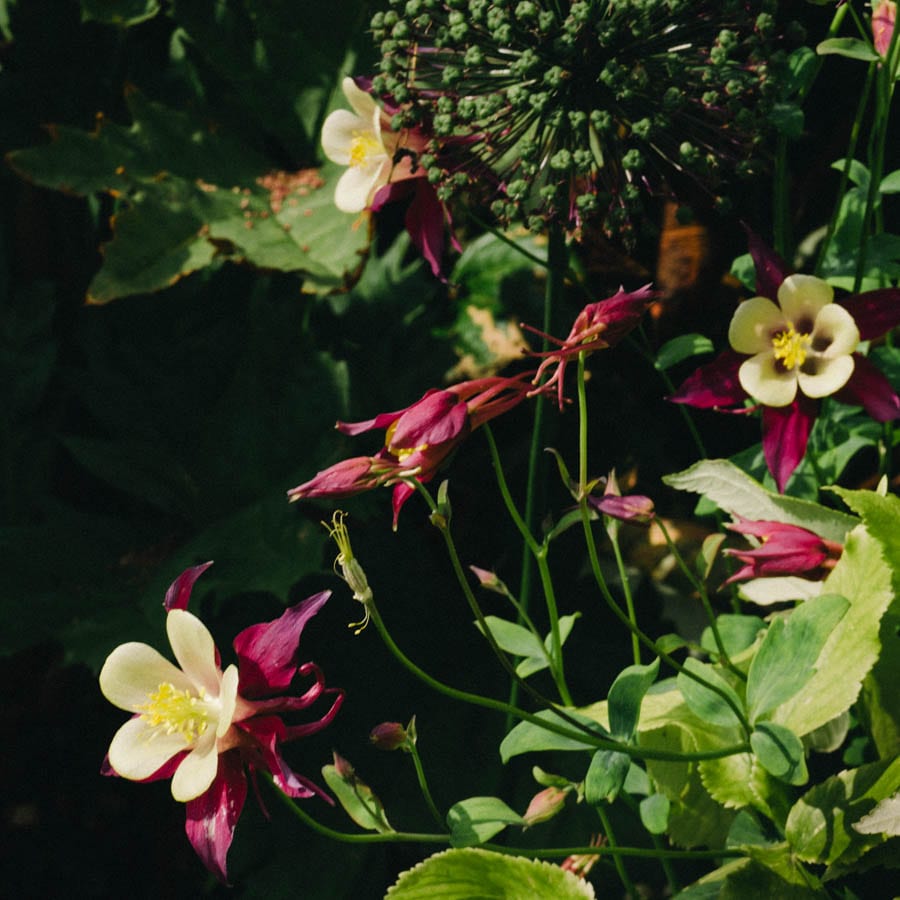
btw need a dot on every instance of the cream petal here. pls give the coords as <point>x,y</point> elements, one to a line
<point>362,103</point>
<point>831,374</point>
<point>835,332</point>
<point>228,700</point>
<point>753,324</point>
<point>133,671</point>
<point>801,297</point>
<point>137,750</point>
<point>763,379</point>
<point>355,186</point>
<point>338,131</point>
<point>194,649</point>
<point>197,770</point>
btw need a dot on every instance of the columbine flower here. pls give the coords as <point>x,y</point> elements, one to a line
<point>202,726</point>
<point>418,439</point>
<point>784,550</point>
<point>564,109</point>
<point>884,17</point>
<point>597,327</point>
<point>383,167</point>
<point>788,356</point>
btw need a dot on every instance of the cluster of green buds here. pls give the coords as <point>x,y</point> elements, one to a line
<point>567,111</point>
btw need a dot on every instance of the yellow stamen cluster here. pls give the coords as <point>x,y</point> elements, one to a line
<point>791,347</point>
<point>363,147</point>
<point>176,711</point>
<point>402,453</point>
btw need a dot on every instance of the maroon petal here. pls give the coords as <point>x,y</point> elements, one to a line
<point>868,387</point>
<point>715,384</point>
<point>211,818</point>
<point>179,592</point>
<point>785,434</point>
<point>425,223</point>
<point>293,732</point>
<point>267,652</point>
<point>875,312</point>
<point>771,269</point>
<point>382,420</point>
<point>433,420</point>
<point>268,731</point>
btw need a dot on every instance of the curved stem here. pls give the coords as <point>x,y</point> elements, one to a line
<point>613,845</point>
<point>423,784</point>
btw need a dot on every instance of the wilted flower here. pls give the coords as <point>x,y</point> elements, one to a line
<point>418,439</point>
<point>565,109</point>
<point>788,356</point>
<point>201,726</point>
<point>784,550</point>
<point>351,571</point>
<point>598,326</point>
<point>884,18</point>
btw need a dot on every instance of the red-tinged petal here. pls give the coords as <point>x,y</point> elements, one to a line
<point>868,387</point>
<point>425,223</point>
<point>293,732</point>
<point>402,493</point>
<point>179,592</point>
<point>713,385</point>
<point>434,420</point>
<point>161,774</point>
<point>771,269</point>
<point>875,312</point>
<point>267,652</point>
<point>382,420</point>
<point>343,479</point>
<point>268,732</point>
<point>212,817</point>
<point>785,434</point>
<point>286,703</point>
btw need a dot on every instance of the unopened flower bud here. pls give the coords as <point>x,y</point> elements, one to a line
<point>545,805</point>
<point>388,736</point>
<point>489,580</point>
<point>884,18</point>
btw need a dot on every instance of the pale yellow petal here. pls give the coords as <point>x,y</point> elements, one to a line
<point>197,770</point>
<point>228,700</point>
<point>363,103</point>
<point>137,751</point>
<point>835,332</point>
<point>762,378</point>
<point>753,325</point>
<point>133,671</point>
<point>194,649</point>
<point>355,187</point>
<point>821,376</point>
<point>801,297</point>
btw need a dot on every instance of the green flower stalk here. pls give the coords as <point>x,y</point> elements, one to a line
<point>571,111</point>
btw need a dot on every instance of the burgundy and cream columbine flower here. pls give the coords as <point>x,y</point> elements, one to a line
<point>418,439</point>
<point>203,727</point>
<point>598,326</point>
<point>783,550</point>
<point>382,168</point>
<point>789,354</point>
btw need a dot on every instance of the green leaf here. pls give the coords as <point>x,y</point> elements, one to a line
<point>358,800</point>
<point>528,738</point>
<point>740,781</point>
<point>704,702</point>
<point>469,873</point>
<point>820,827</point>
<point>737,632</point>
<point>654,812</point>
<point>744,269</point>
<point>625,697</point>
<point>858,173</point>
<point>864,580</point>
<point>780,752</point>
<point>119,12</point>
<point>681,348</point>
<point>708,553</point>
<point>478,819</point>
<point>605,776</point>
<point>786,659</point>
<point>512,638</point>
<point>890,184</point>
<point>739,495</point>
<point>884,819</point>
<point>787,119</point>
<point>852,48</point>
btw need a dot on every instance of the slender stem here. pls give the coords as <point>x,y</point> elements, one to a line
<point>578,731</point>
<point>423,784</point>
<point>555,634</point>
<point>645,639</point>
<point>629,599</point>
<point>666,866</point>
<point>613,845</point>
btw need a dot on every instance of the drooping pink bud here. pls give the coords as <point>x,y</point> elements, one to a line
<point>884,16</point>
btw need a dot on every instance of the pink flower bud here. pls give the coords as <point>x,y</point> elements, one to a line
<point>388,736</point>
<point>884,16</point>
<point>545,805</point>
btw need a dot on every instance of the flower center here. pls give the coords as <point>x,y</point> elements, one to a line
<point>402,453</point>
<point>177,711</point>
<point>365,148</point>
<point>791,347</point>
